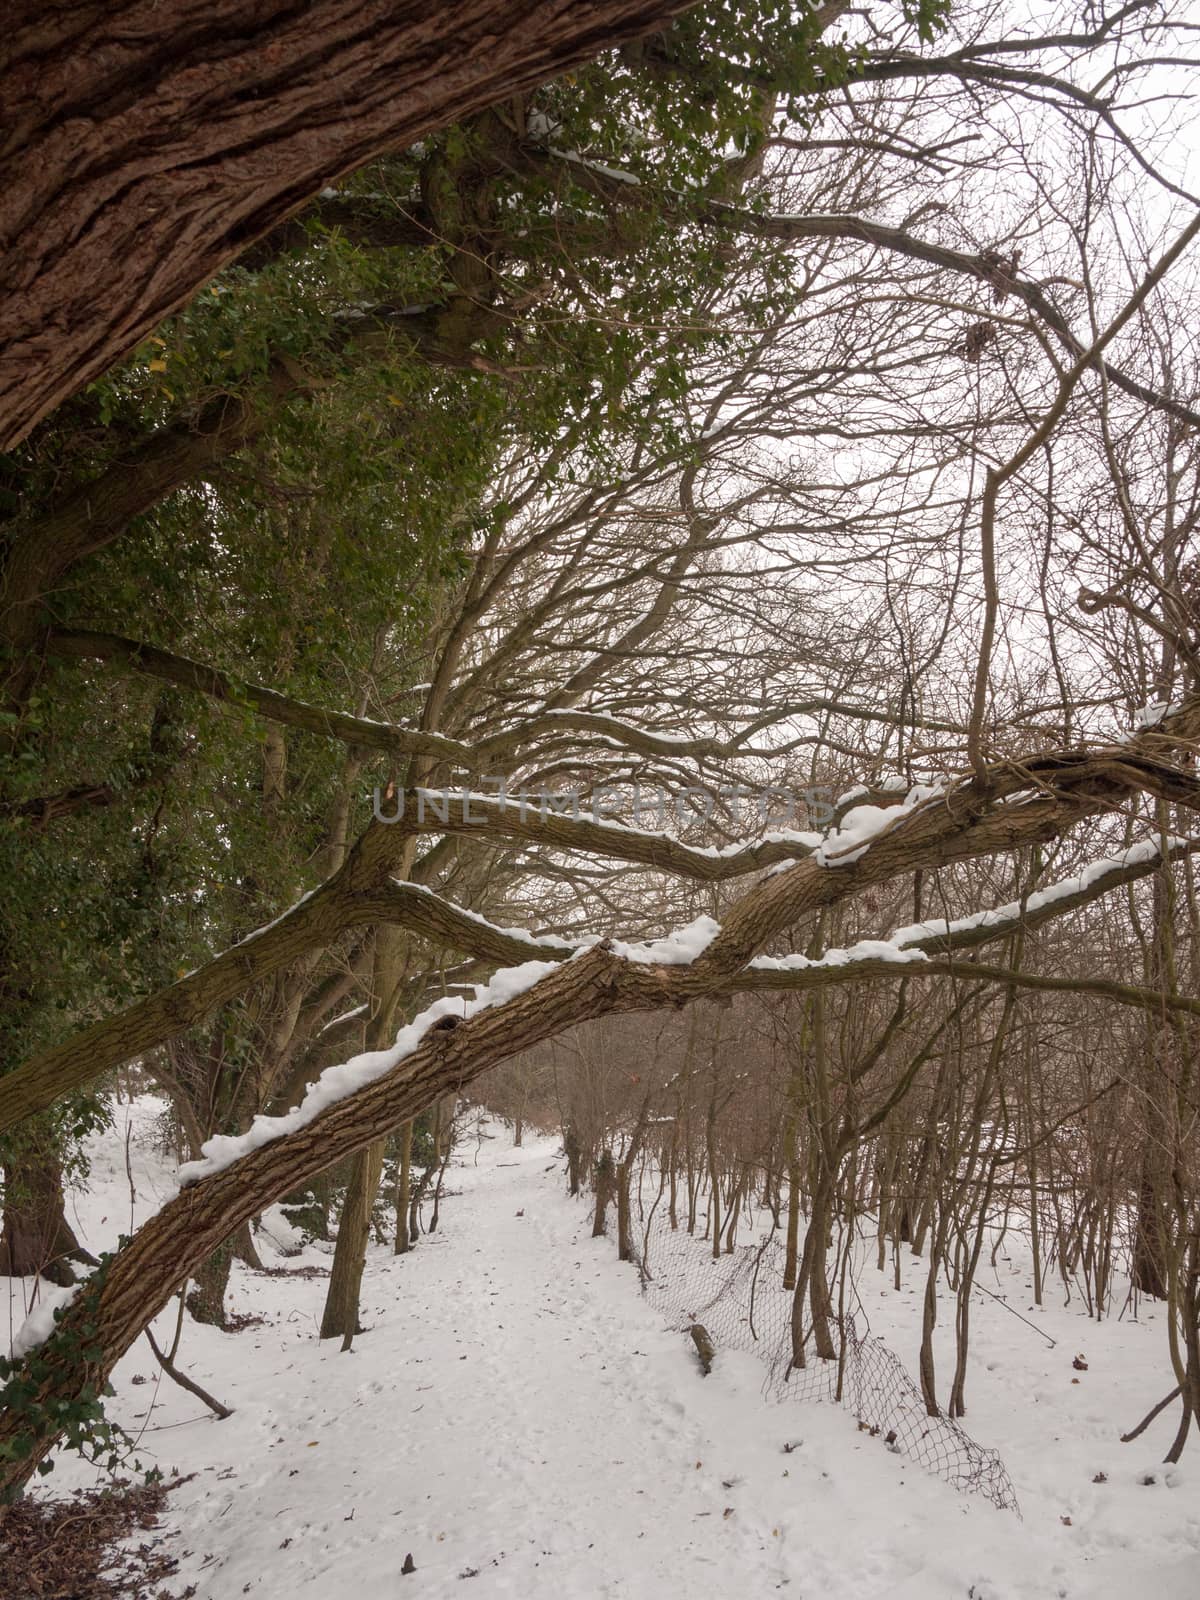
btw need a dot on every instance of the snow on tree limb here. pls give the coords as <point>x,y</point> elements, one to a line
<point>971,818</point>
<point>910,948</point>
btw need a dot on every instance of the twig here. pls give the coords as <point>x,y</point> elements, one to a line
<point>184,1382</point>
<point>1051,1342</point>
<point>1162,1405</point>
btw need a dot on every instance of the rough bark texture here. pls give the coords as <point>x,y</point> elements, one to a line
<point>959,827</point>
<point>146,143</point>
<point>964,824</point>
<point>142,1277</point>
<point>594,983</point>
<point>36,1237</point>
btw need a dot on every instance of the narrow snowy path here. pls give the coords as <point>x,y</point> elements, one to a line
<point>516,1414</point>
<point>518,1419</point>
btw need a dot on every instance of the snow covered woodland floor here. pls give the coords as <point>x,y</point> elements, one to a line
<point>519,1419</point>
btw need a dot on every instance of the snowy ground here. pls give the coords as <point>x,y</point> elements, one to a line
<point>520,1421</point>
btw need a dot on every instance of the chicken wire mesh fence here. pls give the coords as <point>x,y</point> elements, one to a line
<point>739,1299</point>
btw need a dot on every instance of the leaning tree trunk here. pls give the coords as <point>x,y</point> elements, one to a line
<point>148,142</point>
<point>140,1279</point>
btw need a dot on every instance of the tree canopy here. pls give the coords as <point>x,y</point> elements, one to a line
<point>718,523</point>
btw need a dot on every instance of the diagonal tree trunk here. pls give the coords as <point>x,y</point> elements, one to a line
<point>148,142</point>
<point>138,1281</point>
<point>965,824</point>
<point>596,981</point>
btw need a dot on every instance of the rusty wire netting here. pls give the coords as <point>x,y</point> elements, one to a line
<point>740,1300</point>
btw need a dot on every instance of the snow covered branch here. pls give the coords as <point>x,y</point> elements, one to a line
<point>967,820</point>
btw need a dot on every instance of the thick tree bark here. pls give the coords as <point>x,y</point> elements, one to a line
<point>595,982</point>
<point>148,142</point>
<point>966,823</point>
<point>170,1247</point>
<point>36,1237</point>
<point>959,827</point>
